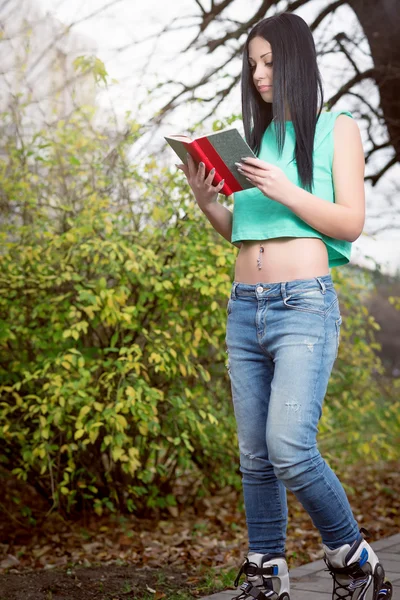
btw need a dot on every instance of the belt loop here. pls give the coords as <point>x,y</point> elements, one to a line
<point>283,289</point>
<point>321,283</point>
<point>233,291</point>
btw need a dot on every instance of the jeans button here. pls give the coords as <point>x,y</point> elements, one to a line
<point>260,289</point>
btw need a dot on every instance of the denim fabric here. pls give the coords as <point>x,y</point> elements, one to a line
<point>282,340</point>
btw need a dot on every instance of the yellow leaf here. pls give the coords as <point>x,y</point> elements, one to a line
<point>84,411</point>
<point>212,419</point>
<point>122,421</point>
<point>117,453</point>
<point>182,369</point>
<point>79,433</point>
<point>93,435</point>
<point>365,448</point>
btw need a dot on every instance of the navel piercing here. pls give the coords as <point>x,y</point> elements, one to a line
<point>261,250</point>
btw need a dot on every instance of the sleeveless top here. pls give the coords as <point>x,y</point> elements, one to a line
<point>257,217</point>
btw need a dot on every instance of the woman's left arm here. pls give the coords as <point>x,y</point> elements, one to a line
<point>344,219</point>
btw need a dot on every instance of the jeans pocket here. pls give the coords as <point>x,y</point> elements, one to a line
<point>229,307</point>
<point>307,300</point>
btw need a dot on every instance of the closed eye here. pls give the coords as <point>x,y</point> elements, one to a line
<point>252,67</point>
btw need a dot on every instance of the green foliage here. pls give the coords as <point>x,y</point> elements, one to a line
<point>112,361</point>
<point>91,64</point>
<point>361,418</point>
<point>113,292</point>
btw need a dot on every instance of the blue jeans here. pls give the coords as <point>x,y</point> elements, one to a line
<point>282,340</point>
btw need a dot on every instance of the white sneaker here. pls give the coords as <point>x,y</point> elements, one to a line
<point>356,571</point>
<point>266,578</point>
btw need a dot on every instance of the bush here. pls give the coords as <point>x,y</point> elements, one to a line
<point>114,389</point>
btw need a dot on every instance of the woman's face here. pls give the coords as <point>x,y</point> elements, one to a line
<point>260,62</point>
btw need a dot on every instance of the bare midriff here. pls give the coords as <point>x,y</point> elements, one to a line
<point>283,259</point>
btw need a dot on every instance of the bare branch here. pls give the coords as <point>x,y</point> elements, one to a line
<point>190,88</point>
<point>325,12</point>
<point>203,10</point>
<point>362,99</point>
<point>342,36</point>
<point>68,29</point>
<point>385,228</point>
<point>368,74</point>
<point>261,12</point>
<point>375,178</point>
<point>376,148</point>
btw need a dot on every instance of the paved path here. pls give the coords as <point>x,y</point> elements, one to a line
<point>311,582</point>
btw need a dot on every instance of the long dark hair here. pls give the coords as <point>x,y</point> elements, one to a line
<point>296,77</point>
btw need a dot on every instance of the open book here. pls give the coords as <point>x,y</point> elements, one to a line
<point>220,149</point>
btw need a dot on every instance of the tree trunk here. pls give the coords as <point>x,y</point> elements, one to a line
<point>380,21</point>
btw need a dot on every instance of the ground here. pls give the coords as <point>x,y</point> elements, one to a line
<point>186,554</point>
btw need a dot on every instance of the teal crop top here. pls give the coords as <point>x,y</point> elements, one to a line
<point>257,217</point>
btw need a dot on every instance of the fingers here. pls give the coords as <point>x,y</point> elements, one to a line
<point>201,172</point>
<point>219,186</point>
<point>191,166</point>
<point>183,168</point>
<point>210,177</point>
<point>196,176</point>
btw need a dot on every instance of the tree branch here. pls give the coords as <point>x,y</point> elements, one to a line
<point>368,74</point>
<point>325,12</point>
<point>67,30</point>
<point>375,178</point>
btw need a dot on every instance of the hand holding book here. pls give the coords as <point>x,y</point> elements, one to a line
<point>219,150</point>
<point>201,184</point>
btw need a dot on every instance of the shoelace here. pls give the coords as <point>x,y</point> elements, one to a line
<point>345,591</point>
<point>244,595</point>
<point>250,568</point>
<point>339,587</point>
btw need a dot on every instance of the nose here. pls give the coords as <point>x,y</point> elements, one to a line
<point>259,72</point>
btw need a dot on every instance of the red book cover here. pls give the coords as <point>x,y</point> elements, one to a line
<point>221,150</point>
<point>202,151</point>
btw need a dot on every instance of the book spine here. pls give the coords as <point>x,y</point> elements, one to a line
<point>223,171</point>
<point>205,153</point>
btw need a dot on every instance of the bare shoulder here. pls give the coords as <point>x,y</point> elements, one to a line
<point>346,128</point>
<point>348,144</point>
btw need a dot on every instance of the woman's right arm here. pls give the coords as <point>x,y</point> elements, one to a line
<point>220,218</point>
<point>206,196</point>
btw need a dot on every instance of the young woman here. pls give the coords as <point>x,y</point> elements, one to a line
<point>283,315</point>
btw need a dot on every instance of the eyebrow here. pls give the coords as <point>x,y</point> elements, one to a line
<point>262,55</point>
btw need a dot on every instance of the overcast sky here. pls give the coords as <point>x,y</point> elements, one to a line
<point>138,67</point>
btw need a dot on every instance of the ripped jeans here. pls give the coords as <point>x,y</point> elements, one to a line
<point>282,340</point>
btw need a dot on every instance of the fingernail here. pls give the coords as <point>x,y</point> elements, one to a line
<point>222,182</point>
<point>212,171</point>
<point>239,164</point>
<point>201,164</point>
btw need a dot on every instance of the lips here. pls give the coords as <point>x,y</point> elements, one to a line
<point>263,88</point>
